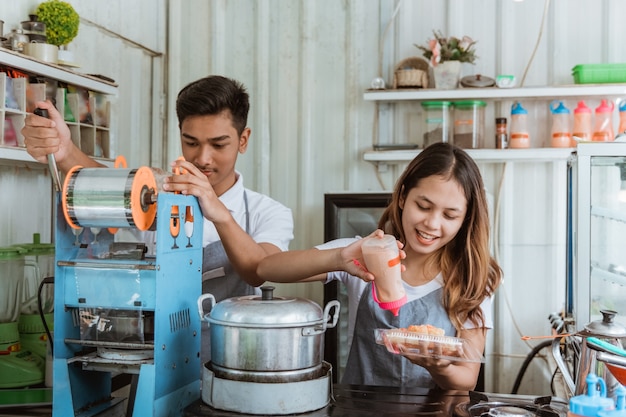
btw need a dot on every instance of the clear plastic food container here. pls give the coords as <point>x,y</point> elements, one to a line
<point>400,341</point>
<point>469,124</point>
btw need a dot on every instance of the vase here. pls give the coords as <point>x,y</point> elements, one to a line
<point>447,75</point>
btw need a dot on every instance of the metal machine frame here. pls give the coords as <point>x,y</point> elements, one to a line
<point>166,285</point>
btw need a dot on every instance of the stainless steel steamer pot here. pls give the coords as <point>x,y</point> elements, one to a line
<point>266,338</point>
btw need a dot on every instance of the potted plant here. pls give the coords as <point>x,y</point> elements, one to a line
<point>446,55</point>
<point>61,21</point>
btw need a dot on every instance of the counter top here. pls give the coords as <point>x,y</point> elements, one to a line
<point>367,401</point>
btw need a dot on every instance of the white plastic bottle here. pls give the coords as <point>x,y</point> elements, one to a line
<point>520,137</point>
<point>582,124</point>
<point>561,136</point>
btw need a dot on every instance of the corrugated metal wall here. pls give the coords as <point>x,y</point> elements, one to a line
<point>306,65</point>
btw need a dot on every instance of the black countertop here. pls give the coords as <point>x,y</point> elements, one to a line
<point>367,401</point>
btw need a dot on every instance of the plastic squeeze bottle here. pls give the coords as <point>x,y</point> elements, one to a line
<point>520,138</point>
<point>382,258</point>
<point>622,118</point>
<point>582,123</point>
<point>561,134</point>
<point>594,401</point>
<point>603,131</point>
<point>620,405</point>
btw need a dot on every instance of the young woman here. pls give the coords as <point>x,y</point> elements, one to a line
<point>439,214</point>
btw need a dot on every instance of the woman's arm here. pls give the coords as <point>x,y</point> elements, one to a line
<point>314,264</point>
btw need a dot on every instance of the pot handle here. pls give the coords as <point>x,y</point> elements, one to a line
<point>312,331</point>
<point>332,304</point>
<point>201,299</point>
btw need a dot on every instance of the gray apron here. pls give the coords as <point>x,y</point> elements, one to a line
<point>371,364</point>
<point>220,279</point>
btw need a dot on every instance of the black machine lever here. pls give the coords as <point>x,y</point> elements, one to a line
<point>52,163</point>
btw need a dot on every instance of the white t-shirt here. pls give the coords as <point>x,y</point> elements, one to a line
<point>270,221</point>
<point>356,287</point>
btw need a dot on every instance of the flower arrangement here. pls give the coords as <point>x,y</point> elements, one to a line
<point>61,21</point>
<point>442,49</point>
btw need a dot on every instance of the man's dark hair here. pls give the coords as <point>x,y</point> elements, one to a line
<point>212,95</point>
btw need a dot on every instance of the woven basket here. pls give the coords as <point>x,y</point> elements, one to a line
<point>411,72</point>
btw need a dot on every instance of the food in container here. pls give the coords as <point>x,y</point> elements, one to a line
<point>469,124</point>
<point>436,346</point>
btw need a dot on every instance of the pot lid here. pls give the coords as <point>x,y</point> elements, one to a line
<point>606,327</point>
<point>266,311</point>
<point>477,80</point>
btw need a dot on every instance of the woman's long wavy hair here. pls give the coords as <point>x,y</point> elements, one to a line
<point>469,271</point>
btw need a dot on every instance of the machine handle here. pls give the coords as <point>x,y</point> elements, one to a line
<point>600,344</point>
<point>52,163</point>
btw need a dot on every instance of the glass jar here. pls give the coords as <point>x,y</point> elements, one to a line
<point>437,121</point>
<point>469,124</point>
<point>502,137</point>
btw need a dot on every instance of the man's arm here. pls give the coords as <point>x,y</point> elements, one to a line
<point>43,136</point>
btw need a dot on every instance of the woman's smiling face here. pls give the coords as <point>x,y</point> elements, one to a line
<point>432,214</point>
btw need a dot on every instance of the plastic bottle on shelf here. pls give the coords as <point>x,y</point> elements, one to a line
<point>622,118</point>
<point>520,137</point>
<point>561,133</point>
<point>582,123</point>
<point>603,131</point>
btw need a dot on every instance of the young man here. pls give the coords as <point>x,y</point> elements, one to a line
<point>241,227</point>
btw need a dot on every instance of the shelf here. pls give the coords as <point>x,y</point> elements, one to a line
<point>18,156</point>
<point>610,276</point>
<point>608,214</point>
<point>31,65</point>
<point>563,91</point>
<point>480,155</point>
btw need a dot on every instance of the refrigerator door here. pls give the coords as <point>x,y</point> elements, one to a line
<point>597,232</point>
<point>346,215</point>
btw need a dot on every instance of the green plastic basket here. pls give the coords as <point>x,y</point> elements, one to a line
<point>599,73</point>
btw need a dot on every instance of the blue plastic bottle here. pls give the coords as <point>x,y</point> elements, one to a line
<point>590,404</point>
<point>620,406</point>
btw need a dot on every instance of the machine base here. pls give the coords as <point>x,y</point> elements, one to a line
<point>267,398</point>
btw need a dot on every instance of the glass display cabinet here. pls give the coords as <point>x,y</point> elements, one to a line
<point>596,245</point>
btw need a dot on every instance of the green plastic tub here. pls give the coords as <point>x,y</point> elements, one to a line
<point>599,73</point>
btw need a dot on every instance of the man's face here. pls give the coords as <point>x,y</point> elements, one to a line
<point>212,144</point>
